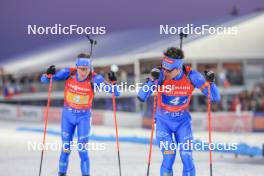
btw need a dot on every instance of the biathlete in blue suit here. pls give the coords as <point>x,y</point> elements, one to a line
<point>176,83</point>
<point>78,96</point>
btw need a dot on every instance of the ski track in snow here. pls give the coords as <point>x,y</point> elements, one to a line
<point>16,159</point>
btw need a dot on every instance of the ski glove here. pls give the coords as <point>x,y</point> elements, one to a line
<point>209,75</point>
<point>155,73</point>
<point>51,70</point>
<point>112,76</point>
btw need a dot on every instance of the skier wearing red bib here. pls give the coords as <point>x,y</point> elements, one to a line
<point>78,97</point>
<point>173,121</point>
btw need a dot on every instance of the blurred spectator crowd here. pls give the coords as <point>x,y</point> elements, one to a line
<point>249,99</point>
<point>24,84</point>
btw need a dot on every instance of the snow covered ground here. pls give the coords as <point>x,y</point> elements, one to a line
<point>16,159</point>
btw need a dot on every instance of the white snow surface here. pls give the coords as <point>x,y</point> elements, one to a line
<point>16,159</point>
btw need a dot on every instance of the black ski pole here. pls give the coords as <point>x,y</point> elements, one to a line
<point>182,35</point>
